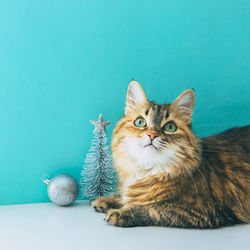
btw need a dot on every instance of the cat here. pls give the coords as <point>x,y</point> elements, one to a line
<point>168,176</point>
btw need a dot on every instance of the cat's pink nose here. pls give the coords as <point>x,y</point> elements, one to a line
<point>152,134</point>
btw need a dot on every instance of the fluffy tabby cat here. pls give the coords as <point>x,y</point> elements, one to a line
<point>169,177</point>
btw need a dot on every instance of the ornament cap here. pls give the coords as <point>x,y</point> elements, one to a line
<point>46,181</point>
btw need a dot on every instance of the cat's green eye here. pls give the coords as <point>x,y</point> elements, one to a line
<point>170,127</point>
<point>140,122</point>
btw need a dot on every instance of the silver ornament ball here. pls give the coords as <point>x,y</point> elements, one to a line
<point>62,189</point>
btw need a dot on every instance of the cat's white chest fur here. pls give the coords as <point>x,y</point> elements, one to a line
<point>130,181</point>
<point>140,162</point>
<point>133,178</point>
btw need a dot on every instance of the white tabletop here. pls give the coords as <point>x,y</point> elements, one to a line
<point>46,226</point>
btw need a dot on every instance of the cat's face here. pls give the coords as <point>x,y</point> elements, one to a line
<point>152,135</point>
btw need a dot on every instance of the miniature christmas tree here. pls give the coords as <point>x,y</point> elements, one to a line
<point>98,177</point>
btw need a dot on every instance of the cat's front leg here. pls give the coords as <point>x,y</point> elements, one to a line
<point>167,215</point>
<point>132,216</point>
<point>103,204</point>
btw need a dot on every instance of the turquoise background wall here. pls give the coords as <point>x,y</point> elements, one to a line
<point>63,62</point>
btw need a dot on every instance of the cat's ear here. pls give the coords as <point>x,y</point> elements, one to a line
<point>184,105</point>
<point>135,97</point>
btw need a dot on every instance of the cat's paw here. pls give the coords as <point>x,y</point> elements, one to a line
<point>119,218</point>
<point>101,204</point>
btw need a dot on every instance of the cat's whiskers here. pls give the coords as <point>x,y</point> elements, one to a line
<point>190,174</point>
<point>180,163</point>
<point>207,150</point>
<point>197,166</point>
<point>163,144</point>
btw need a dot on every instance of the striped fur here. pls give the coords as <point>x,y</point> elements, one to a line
<point>182,181</point>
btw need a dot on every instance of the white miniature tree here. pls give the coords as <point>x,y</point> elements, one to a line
<point>98,177</point>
